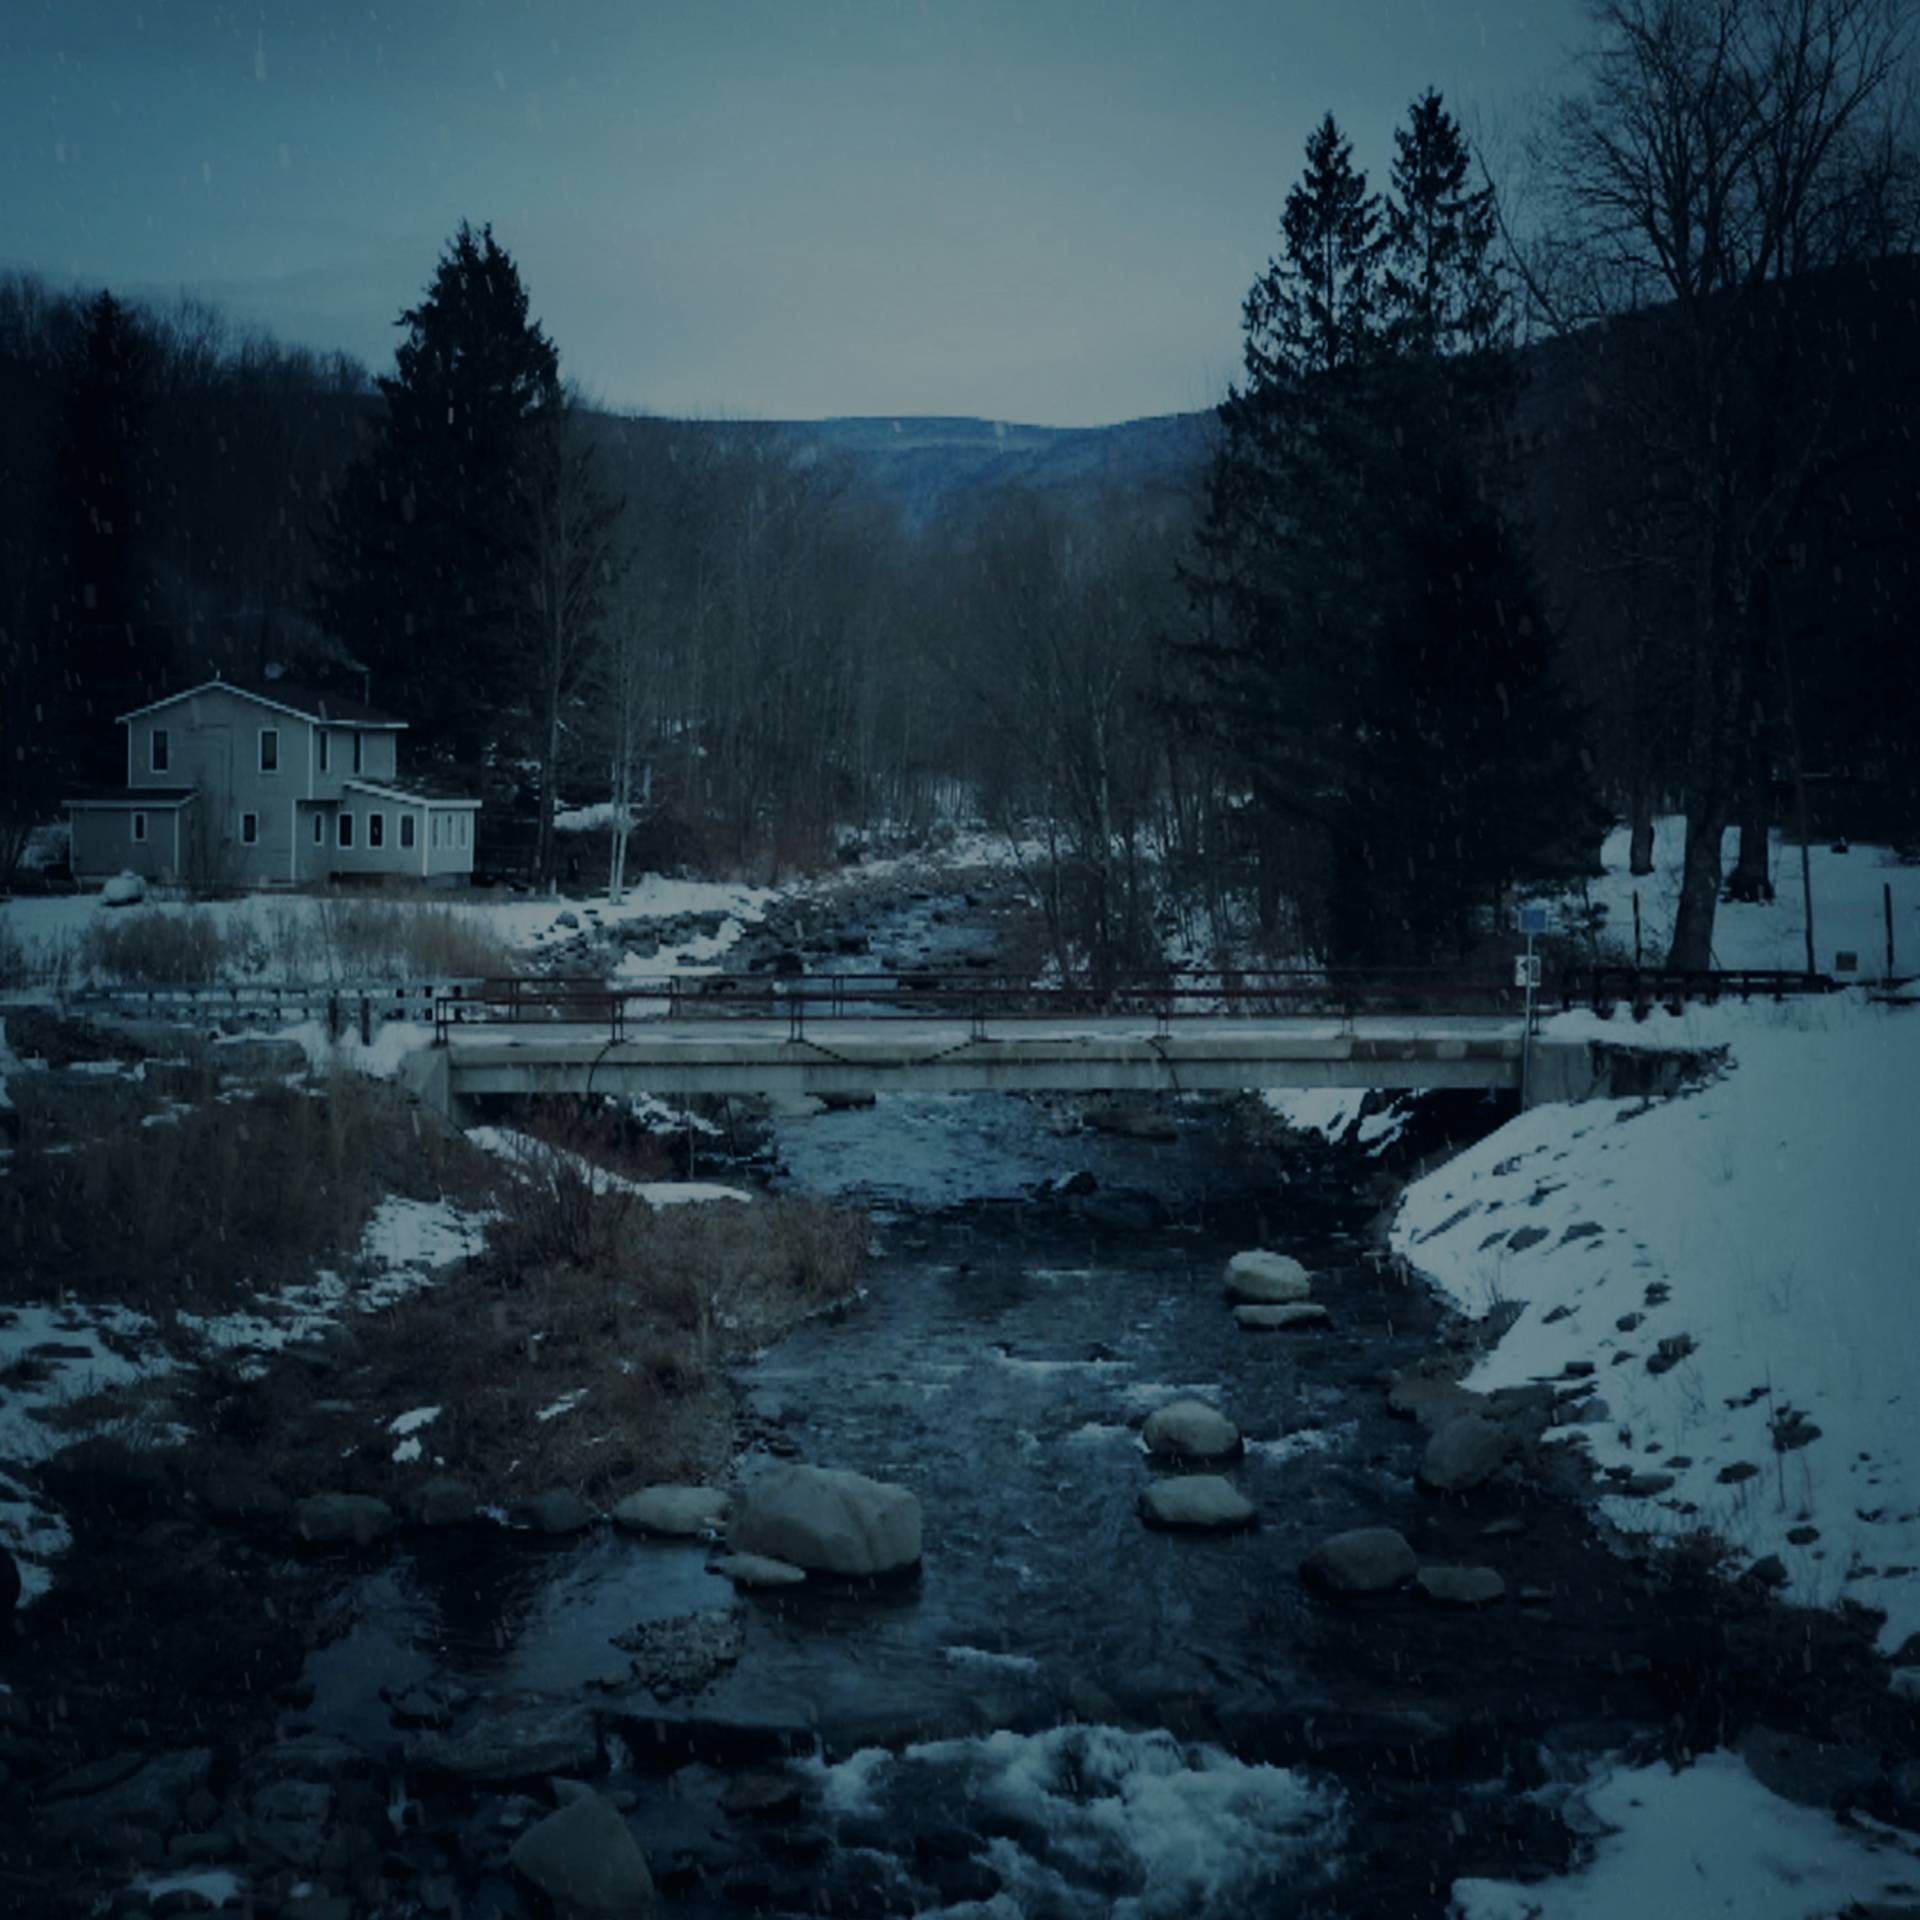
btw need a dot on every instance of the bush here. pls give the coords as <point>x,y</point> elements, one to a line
<point>248,1190</point>
<point>152,948</point>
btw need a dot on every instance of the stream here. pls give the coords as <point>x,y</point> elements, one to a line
<point>1063,1712</point>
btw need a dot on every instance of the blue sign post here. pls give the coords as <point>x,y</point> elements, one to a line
<point>1526,974</point>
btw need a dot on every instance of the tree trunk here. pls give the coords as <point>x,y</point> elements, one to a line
<point>1717,701</point>
<point>1640,826</point>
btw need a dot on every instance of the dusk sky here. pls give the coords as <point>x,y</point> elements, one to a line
<point>1043,210</point>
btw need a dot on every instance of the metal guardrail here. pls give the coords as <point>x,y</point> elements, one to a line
<point>1643,988</point>
<point>977,999</point>
<point>346,1007</point>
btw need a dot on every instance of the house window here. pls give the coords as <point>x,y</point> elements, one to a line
<point>319,829</point>
<point>376,829</point>
<point>346,829</point>
<point>326,749</point>
<point>359,752</point>
<point>250,829</point>
<point>269,749</point>
<point>139,826</point>
<point>406,830</point>
<point>434,821</point>
<point>161,757</point>
<point>466,823</point>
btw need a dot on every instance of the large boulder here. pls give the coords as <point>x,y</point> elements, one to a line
<point>1267,1279</point>
<point>559,1510</point>
<point>1462,1454</point>
<point>1191,1430</point>
<point>1367,1560</point>
<point>828,1521</point>
<point>342,1520</point>
<point>1288,1318</point>
<point>1196,1503</point>
<point>754,1571</point>
<point>679,1513</point>
<point>585,1861</point>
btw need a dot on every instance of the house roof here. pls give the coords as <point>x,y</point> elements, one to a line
<point>412,796</point>
<point>156,797</point>
<point>304,703</point>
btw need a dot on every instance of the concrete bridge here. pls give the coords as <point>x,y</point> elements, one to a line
<point>1112,1054</point>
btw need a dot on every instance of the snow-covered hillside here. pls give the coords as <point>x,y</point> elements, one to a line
<point>1740,1268</point>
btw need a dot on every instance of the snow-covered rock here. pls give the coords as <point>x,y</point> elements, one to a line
<point>679,1512</point>
<point>123,890</point>
<point>1266,1279</point>
<point>585,1861</point>
<point>752,1570</point>
<point>828,1521</point>
<point>1280,1319</point>
<point>1191,1430</point>
<point>1196,1503</point>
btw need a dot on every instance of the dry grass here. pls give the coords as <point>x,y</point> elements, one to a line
<point>235,1193</point>
<point>155,949</point>
<point>589,1291</point>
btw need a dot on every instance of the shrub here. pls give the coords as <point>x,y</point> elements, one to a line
<point>152,948</point>
<point>245,1191</point>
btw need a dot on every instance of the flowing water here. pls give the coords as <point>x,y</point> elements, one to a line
<point>1062,1712</point>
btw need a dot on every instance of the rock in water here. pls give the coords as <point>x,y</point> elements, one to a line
<point>752,1570</point>
<point>1463,1453</point>
<point>558,1510</point>
<point>1191,1430</point>
<point>1461,1586</point>
<point>342,1519</point>
<point>1289,1318</point>
<point>585,1861</point>
<point>828,1521</point>
<point>1267,1279</point>
<point>1196,1503</point>
<point>677,1512</point>
<point>1367,1560</point>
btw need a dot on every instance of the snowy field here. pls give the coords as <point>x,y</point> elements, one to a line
<point>1849,910</point>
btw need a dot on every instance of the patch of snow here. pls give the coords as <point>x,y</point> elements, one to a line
<point>527,1155</point>
<point>1325,1111</point>
<point>407,1452</point>
<point>963,1656</point>
<point>1757,1237</point>
<point>565,1404</point>
<point>421,1234</point>
<point>218,1886</point>
<point>1709,1840</point>
<point>413,1421</point>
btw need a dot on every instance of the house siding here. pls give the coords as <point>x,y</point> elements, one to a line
<point>103,843</point>
<point>214,745</point>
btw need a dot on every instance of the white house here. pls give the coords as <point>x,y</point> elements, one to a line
<point>268,784</point>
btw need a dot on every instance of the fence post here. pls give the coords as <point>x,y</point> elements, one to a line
<point>366,1020</point>
<point>1636,926</point>
<point>333,1016</point>
<point>1886,907</point>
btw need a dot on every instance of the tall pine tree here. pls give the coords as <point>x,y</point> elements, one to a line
<point>429,546</point>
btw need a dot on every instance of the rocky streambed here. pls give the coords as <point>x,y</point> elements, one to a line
<point>1218,1606</point>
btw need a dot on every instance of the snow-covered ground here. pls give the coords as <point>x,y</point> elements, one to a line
<point>1849,907</point>
<point>1738,1265</point>
<point>1708,1840</point>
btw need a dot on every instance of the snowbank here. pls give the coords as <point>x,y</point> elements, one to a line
<point>1710,1840</point>
<point>527,1154</point>
<point>1738,1266</point>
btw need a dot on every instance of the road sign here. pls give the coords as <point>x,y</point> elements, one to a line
<point>1526,970</point>
<point>1533,920</point>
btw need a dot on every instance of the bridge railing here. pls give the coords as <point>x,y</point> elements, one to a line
<point>975,998</point>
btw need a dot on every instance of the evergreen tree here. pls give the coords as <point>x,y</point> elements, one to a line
<point>428,550</point>
<point>109,657</point>
<point>1443,289</point>
<point>1286,618</point>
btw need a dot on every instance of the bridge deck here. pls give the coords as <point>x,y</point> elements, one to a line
<point>1114,1054</point>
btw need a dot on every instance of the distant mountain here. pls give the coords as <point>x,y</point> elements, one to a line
<point>937,469</point>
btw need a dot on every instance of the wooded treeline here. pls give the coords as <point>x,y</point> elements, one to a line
<point>1511,523</point>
